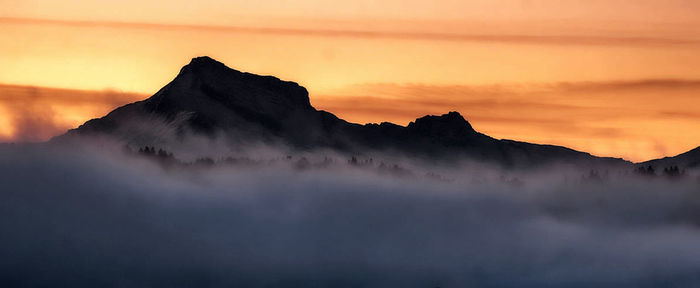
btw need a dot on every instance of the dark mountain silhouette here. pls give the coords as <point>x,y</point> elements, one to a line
<point>687,160</point>
<point>209,99</point>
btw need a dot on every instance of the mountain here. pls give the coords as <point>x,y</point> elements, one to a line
<point>210,100</point>
<point>687,160</point>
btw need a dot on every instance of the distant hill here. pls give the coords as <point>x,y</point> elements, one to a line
<point>687,160</point>
<point>211,100</point>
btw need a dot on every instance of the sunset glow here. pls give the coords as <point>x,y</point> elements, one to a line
<point>605,77</point>
<point>363,143</point>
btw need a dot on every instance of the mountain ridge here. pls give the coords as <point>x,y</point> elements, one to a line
<point>208,98</point>
<point>685,160</point>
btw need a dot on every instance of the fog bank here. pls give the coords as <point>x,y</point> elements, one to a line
<point>101,218</point>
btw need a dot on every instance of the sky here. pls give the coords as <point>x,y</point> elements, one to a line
<point>613,78</point>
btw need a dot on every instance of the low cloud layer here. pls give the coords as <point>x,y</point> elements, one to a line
<point>93,217</point>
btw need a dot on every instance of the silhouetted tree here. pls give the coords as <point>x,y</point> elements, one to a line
<point>147,150</point>
<point>594,176</point>
<point>206,161</point>
<point>673,172</point>
<point>164,154</point>
<point>647,172</point>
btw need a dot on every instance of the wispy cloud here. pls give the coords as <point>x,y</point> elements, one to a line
<point>589,99</point>
<point>550,39</point>
<point>38,113</point>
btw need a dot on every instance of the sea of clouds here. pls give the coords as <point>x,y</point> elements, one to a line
<point>99,217</point>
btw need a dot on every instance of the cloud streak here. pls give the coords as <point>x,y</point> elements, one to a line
<point>372,34</point>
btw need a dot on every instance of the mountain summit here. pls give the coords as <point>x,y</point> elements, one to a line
<point>448,125</point>
<point>208,99</point>
<point>265,94</point>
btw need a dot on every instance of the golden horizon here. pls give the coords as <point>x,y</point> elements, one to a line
<point>610,78</point>
<point>60,104</point>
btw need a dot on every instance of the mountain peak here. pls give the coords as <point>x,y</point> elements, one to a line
<point>208,98</point>
<point>454,116</point>
<point>450,120</point>
<point>205,64</point>
<point>204,60</point>
<point>450,124</point>
<point>207,78</point>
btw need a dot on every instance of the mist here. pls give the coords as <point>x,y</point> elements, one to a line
<point>97,216</point>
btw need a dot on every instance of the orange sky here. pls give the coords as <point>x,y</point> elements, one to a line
<point>607,77</point>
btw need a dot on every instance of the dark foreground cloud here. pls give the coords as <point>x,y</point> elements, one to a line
<point>87,219</point>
